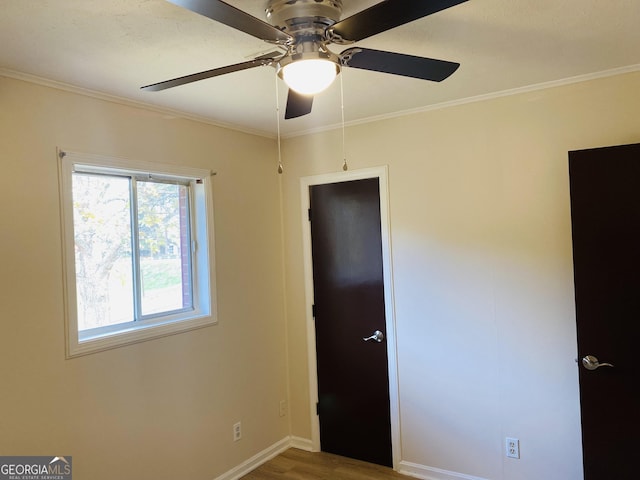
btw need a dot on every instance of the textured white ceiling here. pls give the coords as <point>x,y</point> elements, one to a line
<point>116,46</point>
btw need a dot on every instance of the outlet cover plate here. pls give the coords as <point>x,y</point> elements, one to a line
<point>512,446</point>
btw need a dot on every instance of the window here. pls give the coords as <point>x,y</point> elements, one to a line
<point>136,250</point>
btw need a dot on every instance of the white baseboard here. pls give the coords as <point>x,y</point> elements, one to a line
<point>302,444</point>
<point>406,468</point>
<point>257,460</point>
<point>432,473</point>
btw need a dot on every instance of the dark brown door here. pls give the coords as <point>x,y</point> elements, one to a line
<point>605,217</point>
<point>353,381</point>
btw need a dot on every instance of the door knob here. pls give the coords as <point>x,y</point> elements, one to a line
<point>378,336</point>
<point>591,363</point>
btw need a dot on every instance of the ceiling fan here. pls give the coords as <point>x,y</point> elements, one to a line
<point>303,29</point>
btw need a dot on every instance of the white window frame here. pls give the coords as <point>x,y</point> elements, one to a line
<point>203,263</point>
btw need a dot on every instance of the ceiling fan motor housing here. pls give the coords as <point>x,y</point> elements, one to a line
<point>306,21</point>
<point>308,50</point>
<point>302,18</point>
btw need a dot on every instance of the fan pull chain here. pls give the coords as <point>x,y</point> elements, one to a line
<point>280,169</point>
<point>345,167</point>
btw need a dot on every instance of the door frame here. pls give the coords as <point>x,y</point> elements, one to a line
<point>381,173</point>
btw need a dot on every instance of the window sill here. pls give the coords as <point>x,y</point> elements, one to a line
<point>92,342</point>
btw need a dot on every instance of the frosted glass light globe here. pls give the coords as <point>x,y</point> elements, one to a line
<point>311,76</point>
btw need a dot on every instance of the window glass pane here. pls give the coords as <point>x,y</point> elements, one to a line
<point>102,233</point>
<point>163,231</point>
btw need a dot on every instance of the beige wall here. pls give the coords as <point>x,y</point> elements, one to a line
<point>161,409</point>
<point>481,251</point>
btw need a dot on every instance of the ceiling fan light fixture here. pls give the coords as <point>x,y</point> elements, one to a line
<point>310,68</point>
<point>303,30</point>
<point>310,76</point>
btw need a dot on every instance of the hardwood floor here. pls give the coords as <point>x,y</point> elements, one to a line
<point>295,464</point>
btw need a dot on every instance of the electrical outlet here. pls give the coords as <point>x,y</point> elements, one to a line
<point>237,431</point>
<point>513,447</point>
<point>283,408</point>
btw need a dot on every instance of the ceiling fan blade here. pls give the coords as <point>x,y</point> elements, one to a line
<point>384,16</point>
<point>233,17</point>
<point>297,105</point>
<point>175,82</point>
<point>398,64</point>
